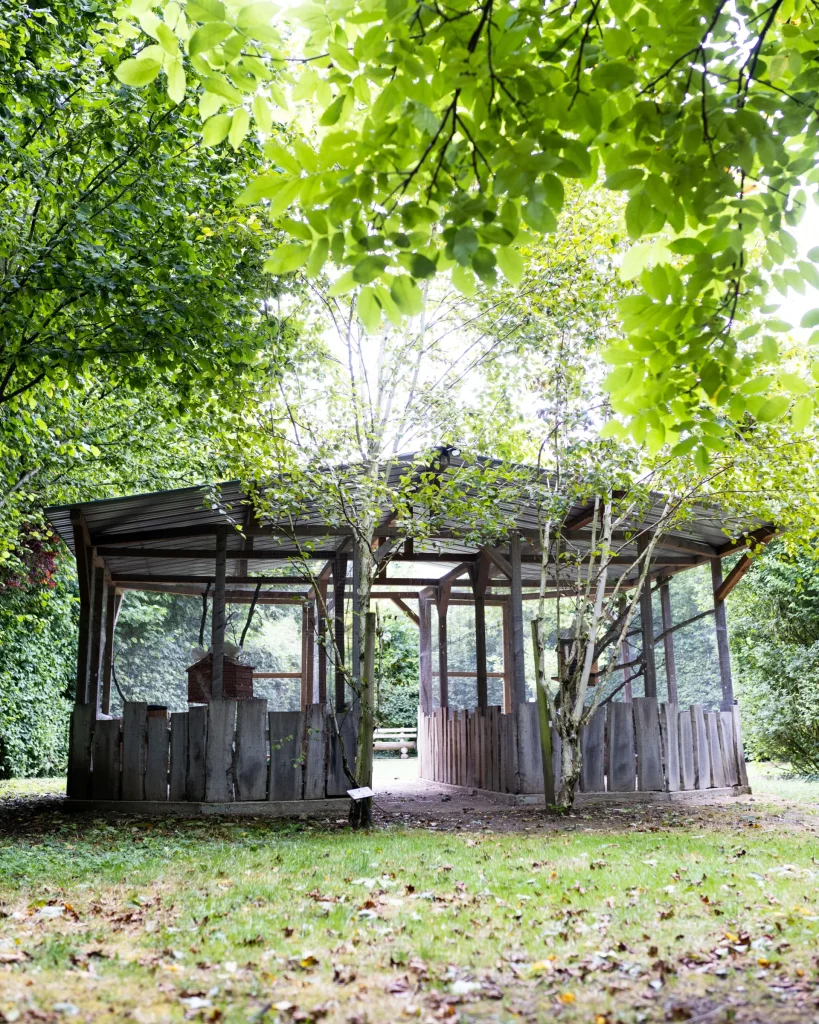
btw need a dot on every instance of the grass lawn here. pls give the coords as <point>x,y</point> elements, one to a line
<point>702,914</point>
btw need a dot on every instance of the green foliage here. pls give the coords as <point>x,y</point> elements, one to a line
<point>38,664</point>
<point>396,671</point>
<point>775,645</point>
<point>119,243</point>
<point>431,140</point>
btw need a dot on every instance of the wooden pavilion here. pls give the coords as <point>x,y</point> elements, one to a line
<point>228,752</point>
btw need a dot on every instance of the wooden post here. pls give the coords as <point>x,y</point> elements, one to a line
<point>307,621</point>
<point>480,576</point>
<point>339,580</point>
<point>218,617</point>
<point>516,615</point>
<point>443,668</point>
<point>84,557</point>
<point>425,653</point>
<point>668,642</point>
<point>508,660</point>
<point>647,628</point>
<point>113,604</point>
<point>96,637</point>
<point>723,651</point>
<point>355,653</point>
<point>321,645</point>
<point>626,658</point>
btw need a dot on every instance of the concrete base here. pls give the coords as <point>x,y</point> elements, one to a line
<point>688,796</point>
<point>193,809</point>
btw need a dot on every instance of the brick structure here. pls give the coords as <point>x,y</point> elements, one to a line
<point>238,681</point>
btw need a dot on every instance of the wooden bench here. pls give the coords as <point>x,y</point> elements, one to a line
<point>396,739</point>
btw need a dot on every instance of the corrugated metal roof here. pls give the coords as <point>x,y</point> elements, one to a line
<point>187,519</point>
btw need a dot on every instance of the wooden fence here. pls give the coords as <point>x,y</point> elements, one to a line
<point>224,751</point>
<point>638,745</point>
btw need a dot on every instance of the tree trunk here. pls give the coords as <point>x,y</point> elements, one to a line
<point>361,811</point>
<point>570,761</point>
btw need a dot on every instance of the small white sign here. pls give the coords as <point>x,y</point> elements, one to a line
<point>360,794</point>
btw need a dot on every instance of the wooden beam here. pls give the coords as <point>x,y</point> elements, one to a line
<point>84,557</point>
<point>339,582</point>
<point>321,654</point>
<point>734,576</point>
<point>480,577</point>
<point>442,603</point>
<point>760,536</point>
<point>425,652</point>
<point>96,637</point>
<point>580,519</point>
<point>647,628</point>
<point>113,604</point>
<point>518,694</point>
<point>218,619</point>
<point>498,559</point>
<point>723,650</point>
<point>668,642</point>
<point>405,608</point>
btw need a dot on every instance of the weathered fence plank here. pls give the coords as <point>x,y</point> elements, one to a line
<point>156,760</point>
<point>286,779</point>
<point>592,753</point>
<point>530,764</point>
<point>250,759</point>
<point>622,771</point>
<point>177,788</point>
<point>742,769</point>
<point>315,730</point>
<point>717,771</point>
<point>725,726</point>
<point>134,749</point>
<point>79,751</point>
<point>197,752</point>
<point>669,730</point>
<point>647,736</point>
<point>688,774</point>
<point>699,742</point>
<point>219,755</point>
<point>107,776</point>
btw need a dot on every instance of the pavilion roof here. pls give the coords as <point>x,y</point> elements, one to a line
<point>162,541</point>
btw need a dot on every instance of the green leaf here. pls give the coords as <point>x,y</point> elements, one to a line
<point>684,447</point>
<point>407,296</point>
<point>626,178</point>
<point>422,266</point>
<point>794,383</point>
<point>239,127</point>
<point>264,187</point>
<point>464,280</point>
<point>262,114</point>
<point>613,429</point>
<point>802,412</point>
<point>813,254</point>
<point>216,128</point>
<point>318,257</point>
<point>511,263</point>
<point>342,57</point>
<point>464,244</point>
<point>287,258</point>
<point>613,76</point>
<point>261,13</point>
<point>169,42</point>
<point>205,10</point>
<point>702,460</point>
<point>811,318</point>
<point>175,70</point>
<point>540,217</point>
<point>333,112</point>
<point>368,268</point>
<point>369,311</point>
<point>138,73</point>
<point>773,409</point>
<point>208,36</point>
<point>483,263</point>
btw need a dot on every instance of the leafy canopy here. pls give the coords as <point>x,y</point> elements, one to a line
<point>408,139</point>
